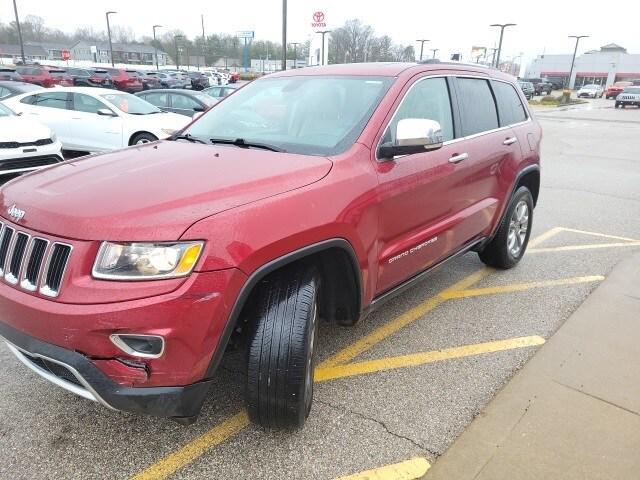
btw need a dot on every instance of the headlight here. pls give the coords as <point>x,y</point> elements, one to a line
<point>168,131</point>
<point>146,261</point>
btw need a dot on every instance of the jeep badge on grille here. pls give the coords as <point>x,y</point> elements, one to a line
<point>15,212</point>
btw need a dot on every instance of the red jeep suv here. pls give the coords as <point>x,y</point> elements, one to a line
<point>309,194</point>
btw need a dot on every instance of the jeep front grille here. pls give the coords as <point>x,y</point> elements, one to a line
<point>31,262</point>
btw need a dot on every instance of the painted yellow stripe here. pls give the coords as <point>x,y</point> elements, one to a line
<point>194,449</point>
<point>409,470</point>
<point>545,236</point>
<point>389,328</point>
<point>596,234</point>
<point>415,359</point>
<point>519,287</point>
<point>568,248</point>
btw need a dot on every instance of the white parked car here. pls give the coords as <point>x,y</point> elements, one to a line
<point>25,145</point>
<point>96,119</point>
<point>591,91</point>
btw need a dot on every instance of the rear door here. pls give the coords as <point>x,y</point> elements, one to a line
<point>50,108</point>
<point>488,151</point>
<point>92,132</point>
<point>159,99</point>
<point>183,104</point>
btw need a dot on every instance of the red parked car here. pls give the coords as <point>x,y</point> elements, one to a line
<point>234,77</point>
<point>319,192</point>
<point>616,89</point>
<point>45,76</point>
<point>125,80</point>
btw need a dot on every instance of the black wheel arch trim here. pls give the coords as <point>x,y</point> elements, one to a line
<point>270,267</point>
<point>525,171</point>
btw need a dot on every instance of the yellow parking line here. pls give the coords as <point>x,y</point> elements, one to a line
<point>545,236</point>
<point>195,448</point>
<point>408,470</point>
<point>391,327</point>
<point>567,248</point>
<point>518,287</point>
<point>597,234</point>
<point>415,359</point>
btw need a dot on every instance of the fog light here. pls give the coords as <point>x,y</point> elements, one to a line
<point>143,346</point>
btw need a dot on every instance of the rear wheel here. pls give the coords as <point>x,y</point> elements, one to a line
<point>280,355</point>
<point>508,246</point>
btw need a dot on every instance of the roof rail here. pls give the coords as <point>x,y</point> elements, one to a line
<point>468,64</point>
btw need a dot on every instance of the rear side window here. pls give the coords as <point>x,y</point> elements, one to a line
<point>51,100</point>
<point>477,107</point>
<point>428,99</point>
<point>157,99</point>
<point>510,107</point>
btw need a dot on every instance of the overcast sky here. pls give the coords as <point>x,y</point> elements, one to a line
<point>451,25</point>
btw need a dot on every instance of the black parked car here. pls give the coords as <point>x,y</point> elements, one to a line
<point>89,78</point>
<point>184,102</point>
<point>11,89</point>
<point>199,81</point>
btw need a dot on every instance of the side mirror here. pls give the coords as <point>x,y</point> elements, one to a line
<point>413,135</point>
<point>106,112</point>
<point>198,109</point>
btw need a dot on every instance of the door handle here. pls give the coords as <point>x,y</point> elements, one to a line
<point>510,141</point>
<point>459,158</point>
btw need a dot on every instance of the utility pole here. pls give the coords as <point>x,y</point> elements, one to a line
<point>15,9</point>
<point>204,41</point>
<point>573,60</point>
<point>175,44</point>
<point>284,35</point>
<point>493,55</point>
<point>421,46</point>
<point>155,44</point>
<point>109,33</point>
<point>295,54</point>
<point>502,27</point>
<point>434,50</point>
<point>323,33</point>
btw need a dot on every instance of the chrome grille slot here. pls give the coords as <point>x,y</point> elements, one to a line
<point>54,269</point>
<point>5,242</point>
<point>15,257</point>
<point>35,256</point>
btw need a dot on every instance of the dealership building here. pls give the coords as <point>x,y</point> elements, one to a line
<point>611,63</point>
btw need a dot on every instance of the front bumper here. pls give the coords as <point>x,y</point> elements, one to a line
<point>27,159</point>
<point>76,373</point>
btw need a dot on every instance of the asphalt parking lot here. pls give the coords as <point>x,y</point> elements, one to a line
<point>399,386</point>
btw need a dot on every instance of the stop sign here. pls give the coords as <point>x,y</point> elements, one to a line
<point>66,54</point>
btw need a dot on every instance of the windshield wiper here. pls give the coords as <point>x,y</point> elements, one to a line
<point>241,142</point>
<point>188,137</point>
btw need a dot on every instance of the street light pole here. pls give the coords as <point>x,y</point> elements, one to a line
<point>502,27</point>
<point>15,9</point>
<point>421,46</point>
<point>155,44</point>
<point>323,33</point>
<point>295,54</point>
<point>573,60</point>
<point>109,33</point>
<point>434,50</point>
<point>284,34</point>
<point>204,41</point>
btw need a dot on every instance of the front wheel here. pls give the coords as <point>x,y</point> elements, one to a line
<point>507,248</point>
<point>143,138</point>
<point>280,354</point>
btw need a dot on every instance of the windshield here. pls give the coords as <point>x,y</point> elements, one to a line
<point>635,90</point>
<point>311,115</point>
<point>127,103</point>
<point>5,111</point>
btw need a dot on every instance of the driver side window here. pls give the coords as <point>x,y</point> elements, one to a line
<point>427,99</point>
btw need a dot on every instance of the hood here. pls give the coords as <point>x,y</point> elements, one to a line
<point>154,191</point>
<point>22,129</point>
